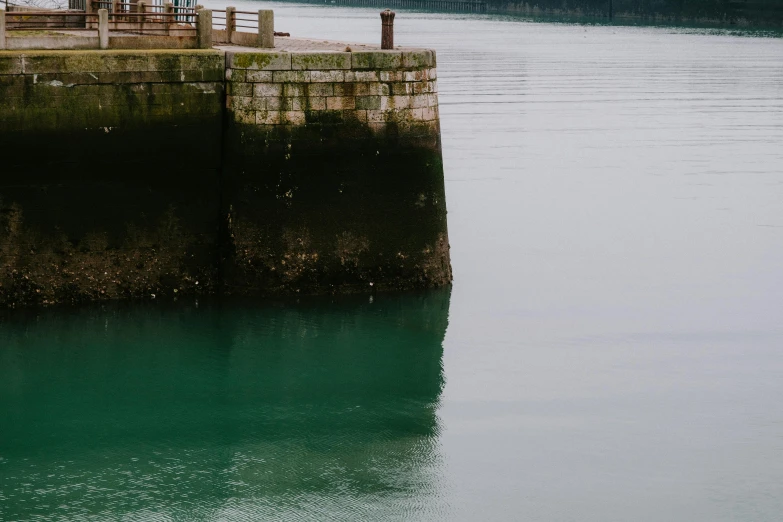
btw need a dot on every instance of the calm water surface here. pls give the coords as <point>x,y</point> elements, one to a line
<point>612,348</point>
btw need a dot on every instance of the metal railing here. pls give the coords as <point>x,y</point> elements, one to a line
<point>245,20</point>
<point>219,18</point>
<point>223,18</point>
<point>31,20</point>
<point>173,27</point>
<point>156,11</point>
<point>249,28</point>
<point>155,5</point>
<point>138,21</point>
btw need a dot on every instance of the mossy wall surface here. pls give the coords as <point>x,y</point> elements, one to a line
<point>333,175</point>
<point>110,166</point>
<point>160,174</point>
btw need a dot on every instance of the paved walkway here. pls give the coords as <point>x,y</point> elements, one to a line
<point>288,44</point>
<point>282,43</point>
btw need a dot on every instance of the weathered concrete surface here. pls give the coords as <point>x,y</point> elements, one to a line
<point>333,178</point>
<point>17,41</point>
<point>88,39</point>
<point>158,174</point>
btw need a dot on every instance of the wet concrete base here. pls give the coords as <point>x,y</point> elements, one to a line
<point>85,217</point>
<point>333,207</point>
<point>129,175</point>
<point>289,213</point>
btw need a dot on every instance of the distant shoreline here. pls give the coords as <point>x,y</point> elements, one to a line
<point>750,14</point>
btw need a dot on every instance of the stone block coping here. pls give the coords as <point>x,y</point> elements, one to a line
<point>315,55</point>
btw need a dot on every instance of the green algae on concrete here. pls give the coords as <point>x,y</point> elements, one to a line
<point>376,60</point>
<point>105,195</point>
<point>159,174</point>
<point>321,61</point>
<point>260,61</point>
<point>333,178</point>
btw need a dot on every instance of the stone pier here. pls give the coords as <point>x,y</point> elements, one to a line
<point>333,171</point>
<point>312,168</point>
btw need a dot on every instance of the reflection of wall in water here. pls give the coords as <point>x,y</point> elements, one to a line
<point>220,403</point>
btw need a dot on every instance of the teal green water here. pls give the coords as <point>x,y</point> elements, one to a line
<point>222,412</point>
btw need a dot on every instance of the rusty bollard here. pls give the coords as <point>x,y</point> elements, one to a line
<point>387,29</point>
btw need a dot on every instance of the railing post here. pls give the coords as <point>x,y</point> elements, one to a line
<point>115,9</point>
<point>266,28</point>
<point>387,29</point>
<point>231,22</point>
<point>88,10</point>
<point>141,8</point>
<point>168,21</point>
<point>2,29</point>
<point>204,29</point>
<point>103,28</point>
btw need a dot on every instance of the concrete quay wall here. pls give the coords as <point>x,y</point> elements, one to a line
<point>110,162</point>
<point>140,174</point>
<point>333,172</point>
